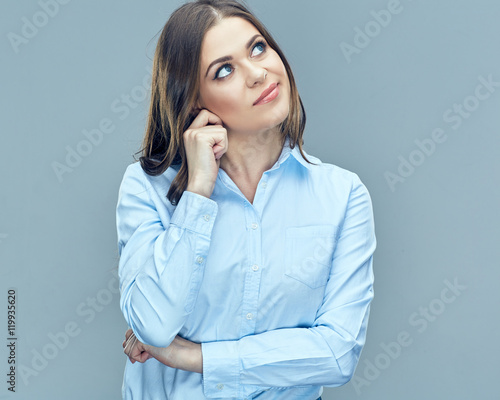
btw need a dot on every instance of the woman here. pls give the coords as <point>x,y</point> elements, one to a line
<point>245,269</point>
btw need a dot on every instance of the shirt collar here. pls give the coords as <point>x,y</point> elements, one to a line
<point>295,152</point>
<point>285,153</point>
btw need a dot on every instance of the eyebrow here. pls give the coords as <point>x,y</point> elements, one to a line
<point>228,58</point>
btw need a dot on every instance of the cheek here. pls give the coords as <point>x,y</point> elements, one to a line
<point>225,101</point>
<point>278,65</point>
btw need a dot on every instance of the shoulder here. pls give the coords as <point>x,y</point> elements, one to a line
<point>135,180</point>
<point>134,171</point>
<point>350,196</point>
<point>334,176</point>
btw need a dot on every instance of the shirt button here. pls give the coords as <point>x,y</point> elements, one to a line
<point>199,260</point>
<point>255,226</point>
<point>220,386</point>
<point>206,217</point>
<point>249,315</point>
<point>264,184</point>
<point>255,267</point>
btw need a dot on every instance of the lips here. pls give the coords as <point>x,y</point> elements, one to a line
<point>266,92</point>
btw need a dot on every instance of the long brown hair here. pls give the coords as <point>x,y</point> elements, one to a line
<point>175,87</point>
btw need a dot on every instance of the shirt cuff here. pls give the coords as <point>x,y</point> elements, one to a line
<point>221,369</point>
<point>195,212</point>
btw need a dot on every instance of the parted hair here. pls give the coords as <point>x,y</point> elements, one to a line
<point>175,88</point>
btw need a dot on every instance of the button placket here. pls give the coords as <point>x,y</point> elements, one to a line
<point>252,271</point>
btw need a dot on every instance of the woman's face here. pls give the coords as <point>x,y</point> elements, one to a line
<point>229,88</point>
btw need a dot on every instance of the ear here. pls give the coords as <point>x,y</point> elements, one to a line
<point>197,107</point>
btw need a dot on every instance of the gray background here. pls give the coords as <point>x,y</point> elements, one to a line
<point>58,237</point>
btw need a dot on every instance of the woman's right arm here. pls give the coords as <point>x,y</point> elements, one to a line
<point>160,267</point>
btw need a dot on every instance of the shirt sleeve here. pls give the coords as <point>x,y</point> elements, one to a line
<point>325,354</point>
<point>160,267</point>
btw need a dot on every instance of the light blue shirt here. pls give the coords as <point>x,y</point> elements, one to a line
<point>278,292</point>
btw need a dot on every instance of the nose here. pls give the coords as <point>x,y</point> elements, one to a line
<point>256,76</point>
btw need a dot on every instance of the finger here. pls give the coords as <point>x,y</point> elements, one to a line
<point>204,118</point>
<point>143,357</point>
<point>131,346</point>
<point>139,354</point>
<point>128,333</point>
<point>130,336</point>
<point>220,146</point>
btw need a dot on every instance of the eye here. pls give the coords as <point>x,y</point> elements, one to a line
<point>225,67</point>
<point>262,45</point>
<point>228,67</point>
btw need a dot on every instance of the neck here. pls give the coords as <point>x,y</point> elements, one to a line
<point>249,155</point>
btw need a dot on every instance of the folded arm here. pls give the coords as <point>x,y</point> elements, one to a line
<point>324,354</point>
<point>160,267</point>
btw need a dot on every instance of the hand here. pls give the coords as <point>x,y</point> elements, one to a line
<point>205,145</point>
<point>135,350</point>
<point>181,353</point>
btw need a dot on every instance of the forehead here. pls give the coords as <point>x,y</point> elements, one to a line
<point>226,38</point>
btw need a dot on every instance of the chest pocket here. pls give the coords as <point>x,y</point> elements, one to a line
<point>309,252</point>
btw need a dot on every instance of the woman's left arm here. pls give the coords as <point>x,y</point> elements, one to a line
<point>325,354</point>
